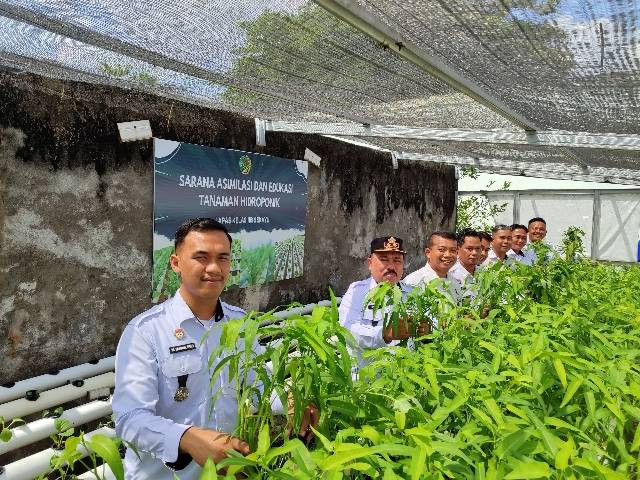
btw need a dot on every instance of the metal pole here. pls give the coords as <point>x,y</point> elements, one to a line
<point>363,20</point>
<point>595,225</point>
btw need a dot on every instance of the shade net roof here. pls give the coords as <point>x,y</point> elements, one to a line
<point>545,162</point>
<point>561,64</point>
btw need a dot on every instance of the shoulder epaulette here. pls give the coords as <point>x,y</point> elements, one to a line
<point>147,314</point>
<point>233,308</point>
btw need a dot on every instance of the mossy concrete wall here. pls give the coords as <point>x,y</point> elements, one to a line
<point>76,214</point>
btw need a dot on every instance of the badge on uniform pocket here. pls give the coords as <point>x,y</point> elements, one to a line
<point>183,392</point>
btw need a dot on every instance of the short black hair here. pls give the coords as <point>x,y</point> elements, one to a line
<point>519,226</point>
<point>537,219</point>
<point>441,234</point>
<point>467,232</point>
<point>202,224</point>
<point>500,226</point>
<point>485,236</point>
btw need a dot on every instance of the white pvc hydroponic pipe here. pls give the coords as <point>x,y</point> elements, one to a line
<point>56,396</point>
<point>47,381</point>
<point>298,311</point>
<point>30,467</point>
<point>305,308</point>
<point>104,473</point>
<point>39,429</point>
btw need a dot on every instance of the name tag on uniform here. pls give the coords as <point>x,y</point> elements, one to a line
<point>182,348</point>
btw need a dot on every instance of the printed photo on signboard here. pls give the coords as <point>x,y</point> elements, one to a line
<point>261,200</point>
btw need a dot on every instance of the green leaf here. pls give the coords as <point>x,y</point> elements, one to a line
<point>571,391</point>
<point>302,457</point>
<point>236,462</point>
<point>548,438</point>
<point>367,431</point>
<point>636,440</point>
<point>591,403</point>
<point>62,425</point>
<point>263,440</point>
<point>494,410</point>
<point>389,475</point>
<point>5,435</point>
<point>558,423</point>
<point>317,314</point>
<point>565,452</point>
<point>209,470</point>
<point>512,443</point>
<point>560,371</point>
<point>218,368</point>
<point>342,458</point>
<point>107,449</point>
<point>616,411</point>
<point>418,463</point>
<point>249,332</point>
<point>529,470</point>
<point>279,451</point>
<point>230,333</point>
<point>631,410</point>
<point>328,446</point>
<point>401,419</point>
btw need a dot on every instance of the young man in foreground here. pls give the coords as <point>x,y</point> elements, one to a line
<point>162,401</point>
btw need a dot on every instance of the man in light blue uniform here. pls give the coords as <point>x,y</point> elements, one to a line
<point>162,400</point>
<point>537,234</point>
<point>518,251</point>
<point>386,264</point>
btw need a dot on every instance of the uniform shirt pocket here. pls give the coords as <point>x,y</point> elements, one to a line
<point>190,364</point>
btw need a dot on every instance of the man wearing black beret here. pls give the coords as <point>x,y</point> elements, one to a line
<point>386,264</point>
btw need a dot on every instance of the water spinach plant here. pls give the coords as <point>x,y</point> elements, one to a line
<point>536,375</point>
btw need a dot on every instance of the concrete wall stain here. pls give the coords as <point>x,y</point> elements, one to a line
<point>76,214</point>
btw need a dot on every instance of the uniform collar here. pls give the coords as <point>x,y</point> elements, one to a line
<point>460,267</point>
<point>181,311</point>
<point>494,256</point>
<point>430,269</point>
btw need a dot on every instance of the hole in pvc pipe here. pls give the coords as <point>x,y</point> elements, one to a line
<point>77,383</point>
<point>32,395</point>
<point>8,385</point>
<point>93,361</point>
<point>53,371</point>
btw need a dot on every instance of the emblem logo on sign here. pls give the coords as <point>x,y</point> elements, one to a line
<point>245,164</point>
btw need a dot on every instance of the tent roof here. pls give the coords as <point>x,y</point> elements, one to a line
<point>504,66</point>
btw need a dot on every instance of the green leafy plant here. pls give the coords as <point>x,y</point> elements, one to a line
<point>545,385</point>
<point>5,428</point>
<point>86,454</point>
<point>64,429</point>
<point>477,211</point>
<point>572,245</point>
